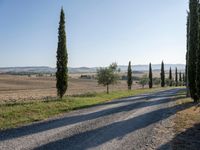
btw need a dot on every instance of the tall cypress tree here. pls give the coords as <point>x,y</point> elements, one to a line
<point>176,77</point>
<point>187,57</point>
<point>170,76</point>
<point>183,77</point>
<point>62,58</point>
<point>193,47</point>
<point>162,75</point>
<point>150,77</point>
<point>180,79</point>
<point>129,76</point>
<point>198,61</point>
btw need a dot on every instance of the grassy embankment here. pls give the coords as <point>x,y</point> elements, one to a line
<point>187,125</point>
<point>17,114</point>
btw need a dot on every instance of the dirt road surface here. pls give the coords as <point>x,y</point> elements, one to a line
<point>139,122</point>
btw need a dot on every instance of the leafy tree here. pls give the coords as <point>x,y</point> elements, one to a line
<point>150,77</point>
<point>170,77</point>
<point>107,76</point>
<point>162,75</point>
<point>168,82</point>
<point>193,44</point>
<point>156,81</point>
<point>62,58</point>
<point>176,77</point>
<point>143,81</point>
<point>129,76</point>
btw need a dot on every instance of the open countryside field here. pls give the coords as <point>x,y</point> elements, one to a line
<point>19,88</point>
<point>26,88</point>
<point>100,75</point>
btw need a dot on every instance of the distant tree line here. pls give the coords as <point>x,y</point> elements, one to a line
<point>109,75</point>
<point>167,81</point>
<point>178,80</point>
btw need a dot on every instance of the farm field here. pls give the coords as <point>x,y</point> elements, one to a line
<point>23,88</point>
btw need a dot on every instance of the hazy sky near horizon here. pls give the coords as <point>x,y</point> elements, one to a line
<point>99,32</point>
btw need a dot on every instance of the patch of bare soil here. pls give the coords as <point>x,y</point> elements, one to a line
<point>22,88</point>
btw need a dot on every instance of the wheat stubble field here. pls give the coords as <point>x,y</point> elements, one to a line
<point>23,88</point>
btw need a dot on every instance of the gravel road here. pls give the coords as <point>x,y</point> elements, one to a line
<point>138,122</point>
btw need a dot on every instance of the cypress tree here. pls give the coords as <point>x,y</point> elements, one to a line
<point>187,46</point>
<point>180,79</point>
<point>193,47</point>
<point>198,61</point>
<point>150,77</point>
<point>162,75</point>
<point>176,77</point>
<point>129,76</point>
<point>183,79</point>
<point>62,58</point>
<point>170,76</point>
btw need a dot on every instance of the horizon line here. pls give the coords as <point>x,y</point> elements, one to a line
<point>87,66</point>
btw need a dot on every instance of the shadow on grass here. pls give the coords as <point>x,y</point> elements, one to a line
<point>187,140</point>
<point>134,103</point>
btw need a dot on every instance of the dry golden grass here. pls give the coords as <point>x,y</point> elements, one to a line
<point>187,118</point>
<point>15,88</point>
<point>187,127</point>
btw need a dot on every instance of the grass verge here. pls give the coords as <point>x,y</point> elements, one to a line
<point>17,114</point>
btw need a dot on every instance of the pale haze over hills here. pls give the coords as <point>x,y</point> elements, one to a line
<point>123,68</point>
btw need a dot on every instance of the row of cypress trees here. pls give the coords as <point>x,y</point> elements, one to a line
<point>178,80</point>
<point>193,41</point>
<point>193,50</point>
<point>162,77</point>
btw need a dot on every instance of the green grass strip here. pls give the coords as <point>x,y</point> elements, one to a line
<point>18,114</point>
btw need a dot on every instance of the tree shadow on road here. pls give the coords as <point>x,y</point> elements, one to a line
<point>64,121</point>
<point>167,93</point>
<point>115,130</point>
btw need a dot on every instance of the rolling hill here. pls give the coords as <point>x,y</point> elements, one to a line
<point>45,69</point>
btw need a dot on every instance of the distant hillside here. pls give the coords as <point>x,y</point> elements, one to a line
<point>44,69</point>
<point>82,70</point>
<point>16,70</point>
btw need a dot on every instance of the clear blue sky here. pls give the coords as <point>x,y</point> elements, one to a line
<point>99,32</point>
